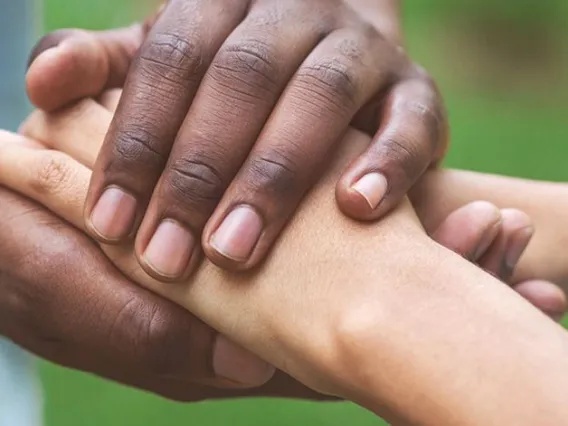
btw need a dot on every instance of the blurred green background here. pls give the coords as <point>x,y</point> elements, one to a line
<point>502,67</point>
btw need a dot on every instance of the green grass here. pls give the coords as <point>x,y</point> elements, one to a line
<point>517,133</point>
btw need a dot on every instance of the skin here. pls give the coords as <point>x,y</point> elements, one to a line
<point>173,356</point>
<point>62,299</point>
<point>217,113</point>
<point>354,312</point>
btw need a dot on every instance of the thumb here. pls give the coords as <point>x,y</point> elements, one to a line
<point>68,65</point>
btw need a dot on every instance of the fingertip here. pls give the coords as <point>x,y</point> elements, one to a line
<point>41,76</point>
<point>219,258</point>
<point>546,296</point>
<point>237,240</point>
<point>239,365</point>
<point>481,211</point>
<point>363,197</point>
<point>470,230</point>
<point>169,251</point>
<point>71,70</point>
<point>515,219</point>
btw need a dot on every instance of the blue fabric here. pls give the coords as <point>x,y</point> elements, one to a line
<point>20,396</point>
<point>20,393</point>
<point>16,36</point>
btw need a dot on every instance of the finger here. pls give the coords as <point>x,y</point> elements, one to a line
<point>69,65</point>
<point>334,81</point>
<point>470,230</point>
<point>234,101</point>
<point>502,256</point>
<point>110,99</point>
<point>83,313</point>
<point>545,295</point>
<point>7,137</point>
<point>77,130</point>
<point>411,136</point>
<point>162,82</point>
<point>51,178</point>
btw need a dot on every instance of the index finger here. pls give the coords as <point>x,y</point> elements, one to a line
<point>158,93</point>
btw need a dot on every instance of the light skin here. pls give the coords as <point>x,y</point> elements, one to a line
<point>230,112</point>
<point>336,294</point>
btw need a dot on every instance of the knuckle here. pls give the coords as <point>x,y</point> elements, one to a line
<point>136,148</point>
<point>370,32</point>
<point>275,173</point>
<point>404,155</point>
<point>400,147</point>
<point>55,173</point>
<point>425,99</point>
<point>331,81</point>
<point>195,181</point>
<point>356,44</point>
<point>171,57</point>
<point>250,64</point>
<point>420,101</point>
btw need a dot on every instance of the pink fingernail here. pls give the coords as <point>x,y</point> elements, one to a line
<point>518,245</point>
<point>372,187</point>
<point>170,249</point>
<point>237,236</point>
<point>113,215</point>
<point>239,365</point>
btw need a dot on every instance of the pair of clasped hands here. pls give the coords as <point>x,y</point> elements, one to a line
<point>238,180</point>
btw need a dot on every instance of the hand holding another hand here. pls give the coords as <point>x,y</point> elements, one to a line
<point>139,338</point>
<point>231,111</point>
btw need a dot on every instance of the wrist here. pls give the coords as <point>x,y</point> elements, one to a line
<point>416,355</point>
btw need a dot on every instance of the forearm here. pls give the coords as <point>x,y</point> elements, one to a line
<point>462,349</point>
<point>546,203</point>
<point>381,315</point>
<point>376,313</point>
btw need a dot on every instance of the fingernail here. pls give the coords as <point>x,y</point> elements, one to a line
<point>517,246</point>
<point>372,187</point>
<point>170,249</point>
<point>487,239</point>
<point>238,234</point>
<point>113,215</point>
<point>239,365</point>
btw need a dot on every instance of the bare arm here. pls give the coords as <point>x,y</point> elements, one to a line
<point>545,202</point>
<point>331,306</point>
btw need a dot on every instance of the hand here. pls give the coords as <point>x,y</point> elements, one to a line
<point>272,86</point>
<point>495,239</point>
<point>43,282</point>
<point>118,330</point>
<point>63,300</point>
<point>52,177</point>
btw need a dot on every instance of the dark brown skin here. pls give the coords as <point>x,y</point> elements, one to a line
<point>240,102</point>
<point>63,300</point>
